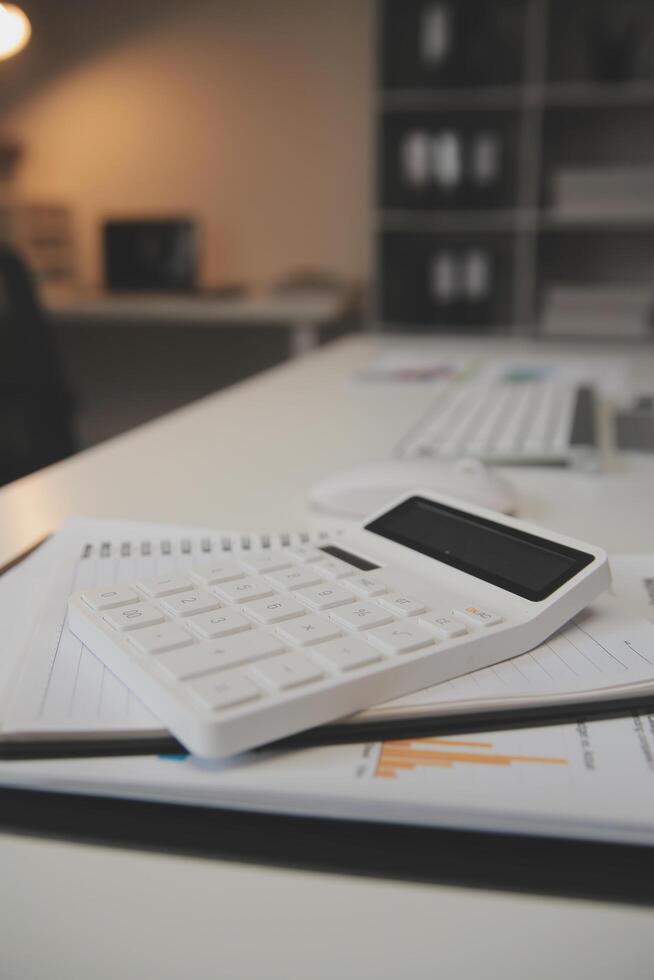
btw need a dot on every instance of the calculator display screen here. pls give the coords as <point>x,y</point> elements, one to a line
<point>522,563</point>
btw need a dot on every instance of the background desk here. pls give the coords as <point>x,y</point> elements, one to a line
<point>302,313</point>
<point>244,458</point>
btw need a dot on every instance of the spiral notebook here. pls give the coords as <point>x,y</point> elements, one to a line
<point>56,698</point>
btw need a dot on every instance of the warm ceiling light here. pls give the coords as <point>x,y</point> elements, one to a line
<point>15,30</point>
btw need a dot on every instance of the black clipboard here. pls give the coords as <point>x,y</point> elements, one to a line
<point>574,868</point>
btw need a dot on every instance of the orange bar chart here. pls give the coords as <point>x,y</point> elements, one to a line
<point>442,753</point>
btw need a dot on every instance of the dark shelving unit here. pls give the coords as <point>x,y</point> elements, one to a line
<point>541,77</point>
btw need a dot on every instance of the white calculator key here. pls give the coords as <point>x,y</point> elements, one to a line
<point>133,617</point>
<point>361,616</point>
<point>296,577</point>
<point>304,553</point>
<point>401,637</point>
<point>347,654</point>
<point>218,622</point>
<point>335,568</point>
<point>205,658</point>
<point>110,597</point>
<point>190,603</point>
<point>275,609</point>
<point>443,625</point>
<point>268,561</point>
<point>366,585</point>
<point>402,605</point>
<point>308,630</point>
<point>220,691</point>
<point>217,572</point>
<point>291,670</point>
<point>164,585</point>
<point>477,616</point>
<point>159,639</point>
<point>245,590</point>
<point>325,596</point>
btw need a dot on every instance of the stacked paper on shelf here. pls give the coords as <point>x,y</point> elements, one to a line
<point>598,192</point>
<point>624,311</point>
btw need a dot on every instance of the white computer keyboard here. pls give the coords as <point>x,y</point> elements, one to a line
<point>246,650</point>
<point>509,422</point>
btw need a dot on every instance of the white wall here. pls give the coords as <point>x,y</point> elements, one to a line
<point>254,115</point>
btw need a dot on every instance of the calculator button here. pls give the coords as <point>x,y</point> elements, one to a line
<point>335,568</point>
<point>347,654</point>
<point>275,609</point>
<point>110,597</point>
<point>244,590</point>
<point>224,691</point>
<point>214,574</point>
<point>158,639</point>
<point>219,622</point>
<point>189,603</point>
<point>133,617</point>
<point>164,585</point>
<point>269,561</point>
<point>361,616</point>
<point>304,553</point>
<point>443,625</point>
<point>325,596</point>
<point>402,605</point>
<point>206,658</point>
<point>400,638</point>
<point>308,630</point>
<point>296,577</point>
<point>477,616</point>
<point>291,670</point>
<point>366,585</point>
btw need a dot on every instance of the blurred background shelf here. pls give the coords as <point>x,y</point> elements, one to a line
<point>486,165</point>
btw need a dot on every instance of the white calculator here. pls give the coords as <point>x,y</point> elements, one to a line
<point>246,650</point>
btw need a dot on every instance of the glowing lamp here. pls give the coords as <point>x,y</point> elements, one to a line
<point>15,30</point>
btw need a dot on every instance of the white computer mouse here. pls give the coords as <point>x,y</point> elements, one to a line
<point>366,488</point>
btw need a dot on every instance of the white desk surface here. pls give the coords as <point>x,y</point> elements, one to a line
<point>243,458</point>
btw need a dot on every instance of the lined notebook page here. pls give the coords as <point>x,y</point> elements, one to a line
<point>64,688</point>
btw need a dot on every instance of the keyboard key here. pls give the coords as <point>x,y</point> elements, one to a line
<point>215,573</point>
<point>361,616</point>
<point>245,590</point>
<point>402,605</point>
<point>205,658</point>
<point>401,638</point>
<point>296,577</point>
<point>325,596</point>
<point>164,585</point>
<point>304,553</point>
<point>190,603</point>
<point>158,639</point>
<point>308,630</point>
<point>291,670</point>
<point>367,585</point>
<point>347,654</point>
<point>224,691</point>
<point>110,596</point>
<point>335,568</point>
<point>267,561</point>
<point>133,617</point>
<point>275,609</point>
<point>443,626</point>
<point>477,616</point>
<point>219,622</point>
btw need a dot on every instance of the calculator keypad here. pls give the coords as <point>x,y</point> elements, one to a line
<point>238,631</point>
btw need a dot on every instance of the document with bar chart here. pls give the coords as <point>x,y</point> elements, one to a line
<point>589,780</point>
